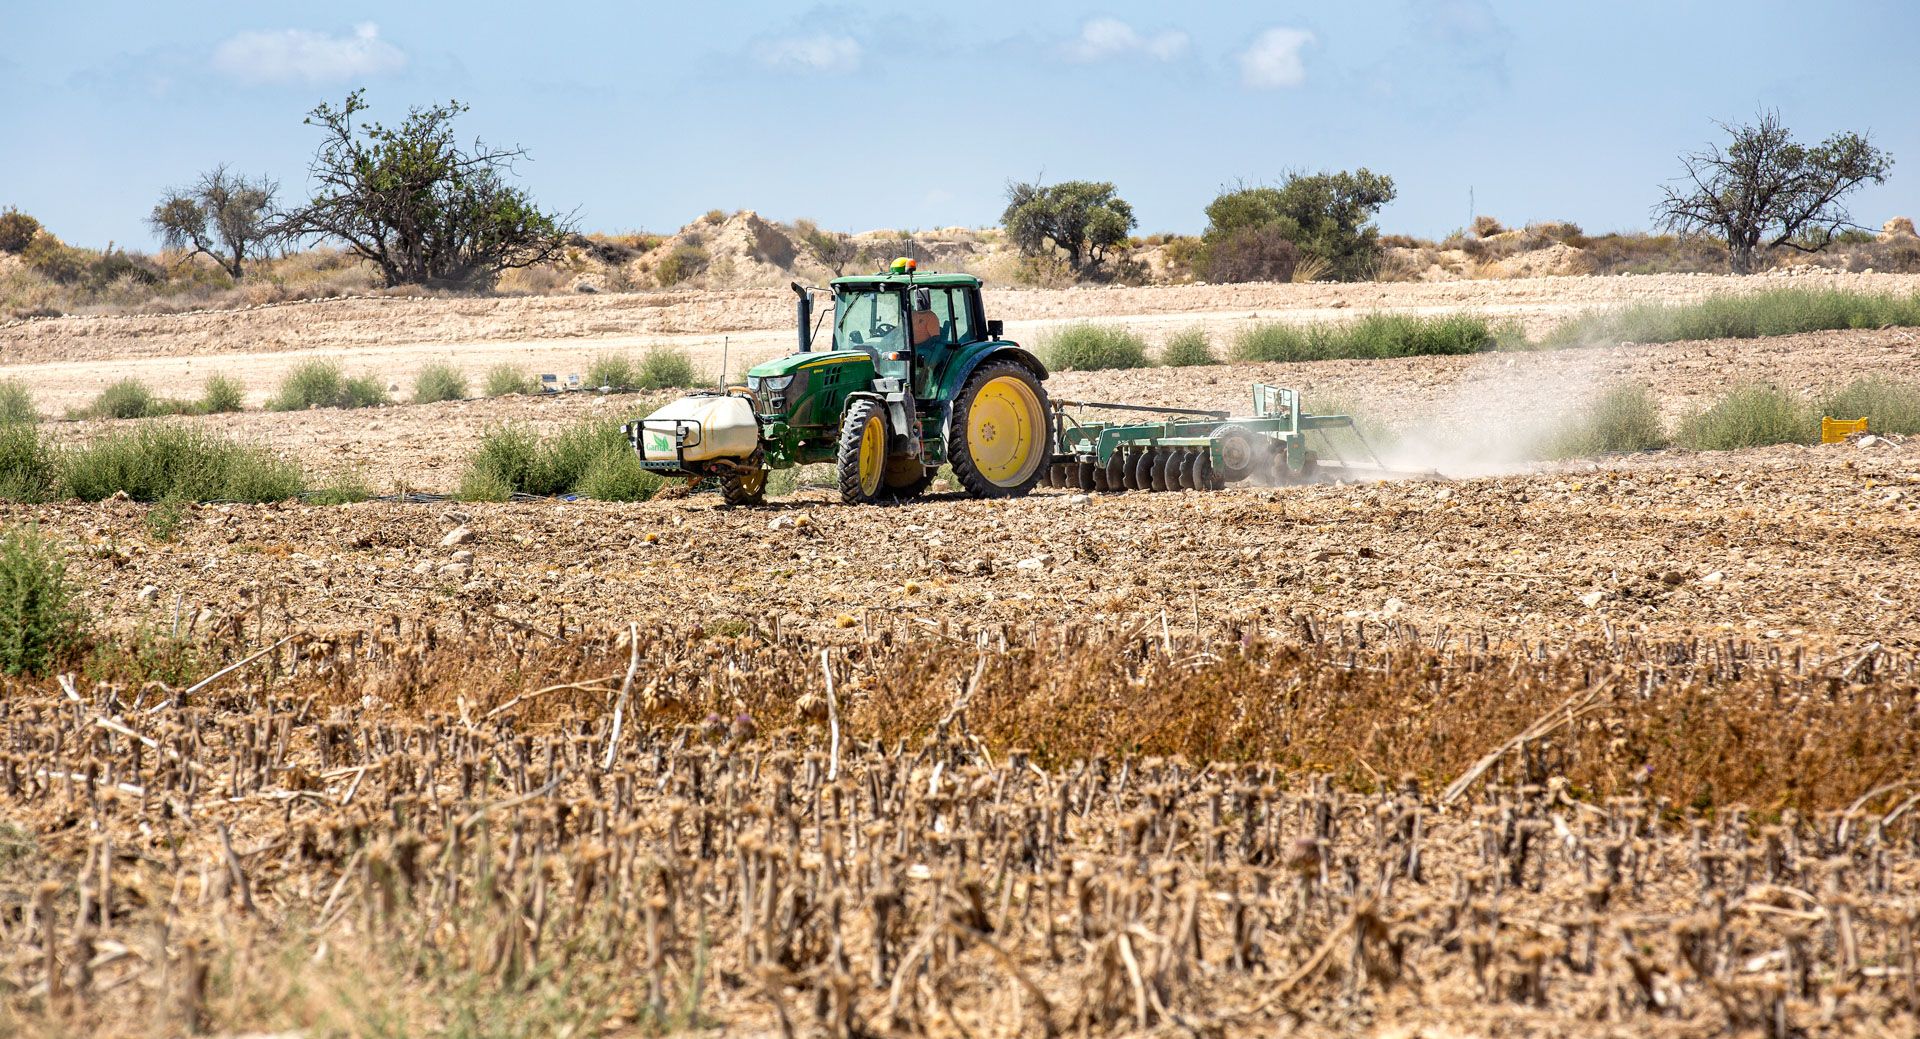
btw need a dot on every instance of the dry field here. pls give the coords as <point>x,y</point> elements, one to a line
<point>1616,748</point>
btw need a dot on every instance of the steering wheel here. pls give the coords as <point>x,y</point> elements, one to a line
<point>882,329</point>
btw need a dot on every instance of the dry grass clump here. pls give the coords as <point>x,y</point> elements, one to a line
<point>1014,832</point>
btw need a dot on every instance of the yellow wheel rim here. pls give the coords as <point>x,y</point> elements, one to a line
<point>873,455</point>
<point>1004,426</point>
<point>753,481</point>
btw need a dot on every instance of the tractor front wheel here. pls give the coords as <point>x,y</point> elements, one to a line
<point>744,487</point>
<point>862,455</point>
<point>906,478</point>
<point>1000,443</point>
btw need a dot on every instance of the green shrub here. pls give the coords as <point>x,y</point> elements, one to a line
<point>591,458</point>
<point>313,384</point>
<point>221,395</point>
<point>128,398</point>
<point>438,382</point>
<point>1188,348</point>
<point>164,518</point>
<point>345,488</point>
<point>1623,419</point>
<point>17,230</point>
<point>39,622</point>
<point>363,391</point>
<point>1751,416</point>
<point>1888,405</point>
<point>1087,348</point>
<point>1372,337</point>
<point>1772,312</point>
<point>665,368</point>
<point>29,469</point>
<point>151,462</point>
<point>682,263</point>
<point>16,404</point>
<point>613,371</point>
<point>617,476</point>
<point>503,379</point>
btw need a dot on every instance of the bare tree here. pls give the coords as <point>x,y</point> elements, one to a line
<point>417,205</point>
<point>1768,190</point>
<point>224,216</point>
<point>835,249</point>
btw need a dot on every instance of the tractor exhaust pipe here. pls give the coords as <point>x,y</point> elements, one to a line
<point>804,316</point>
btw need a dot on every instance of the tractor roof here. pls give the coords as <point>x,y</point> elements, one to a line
<point>930,280</point>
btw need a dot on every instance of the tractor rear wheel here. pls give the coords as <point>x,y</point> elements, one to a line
<point>862,456</point>
<point>1000,441</point>
<point>744,487</point>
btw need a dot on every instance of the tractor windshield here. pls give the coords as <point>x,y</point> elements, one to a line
<point>869,319</point>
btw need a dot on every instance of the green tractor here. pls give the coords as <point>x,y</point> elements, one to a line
<point>915,376</point>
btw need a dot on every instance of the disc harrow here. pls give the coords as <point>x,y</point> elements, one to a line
<point>1197,450</point>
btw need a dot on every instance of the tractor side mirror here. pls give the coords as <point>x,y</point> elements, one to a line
<point>922,300</point>
<point>996,328</point>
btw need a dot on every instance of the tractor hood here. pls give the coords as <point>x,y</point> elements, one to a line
<point>794,362</point>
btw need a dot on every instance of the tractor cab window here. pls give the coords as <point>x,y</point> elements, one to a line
<point>869,320</point>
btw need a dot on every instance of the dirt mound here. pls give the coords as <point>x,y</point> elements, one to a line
<point>1556,260</point>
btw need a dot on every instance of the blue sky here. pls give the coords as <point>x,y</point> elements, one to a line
<point>915,115</point>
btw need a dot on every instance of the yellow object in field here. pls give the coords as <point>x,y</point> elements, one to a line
<point>1835,430</point>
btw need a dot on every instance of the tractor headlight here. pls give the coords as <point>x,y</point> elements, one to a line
<point>772,384</point>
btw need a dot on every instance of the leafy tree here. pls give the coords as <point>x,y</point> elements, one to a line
<point>17,230</point>
<point>1766,188</point>
<point>1083,218</point>
<point>417,205</point>
<point>1327,215</point>
<point>223,216</point>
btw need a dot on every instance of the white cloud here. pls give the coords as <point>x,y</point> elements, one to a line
<point>1274,59</point>
<point>301,56</point>
<point>1111,38</point>
<point>822,52</point>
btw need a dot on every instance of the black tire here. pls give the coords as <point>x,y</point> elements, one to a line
<point>1246,453</point>
<point>863,420</point>
<point>743,487</point>
<point>1035,441</point>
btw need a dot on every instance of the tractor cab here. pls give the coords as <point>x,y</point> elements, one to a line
<point>911,325</point>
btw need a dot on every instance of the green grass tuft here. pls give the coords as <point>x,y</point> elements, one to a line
<point>1188,348</point>
<point>1623,419</point>
<point>39,623</point>
<point>222,395</point>
<point>1888,405</point>
<point>1371,337</point>
<point>127,398</point>
<point>665,368</point>
<point>16,404</point>
<point>1089,348</point>
<point>591,458</point>
<point>322,384</point>
<point>503,379</point>
<point>154,462</point>
<point>438,382</point>
<point>1751,416</point>
<point>1771,312</point>
<point>614,372</point>
<point>29,468</point>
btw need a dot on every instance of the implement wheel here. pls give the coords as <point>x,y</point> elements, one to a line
<point>1000,431</point>
<point>862,455</point>
<point>906,479</point>
<point>744,487</point>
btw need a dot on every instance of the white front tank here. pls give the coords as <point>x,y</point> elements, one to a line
<point>703,427</point>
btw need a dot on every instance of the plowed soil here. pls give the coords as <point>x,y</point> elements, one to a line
<point>1796,543</point>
